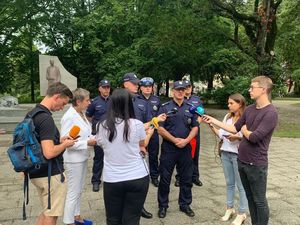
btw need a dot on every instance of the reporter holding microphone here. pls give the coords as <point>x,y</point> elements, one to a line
<point>125,175</point>
<point>75,157</point>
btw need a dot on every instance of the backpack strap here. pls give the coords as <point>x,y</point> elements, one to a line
<point>26,194</point>
<point>49,183</point>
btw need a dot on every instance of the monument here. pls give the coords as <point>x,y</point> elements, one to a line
<point>51,71</point>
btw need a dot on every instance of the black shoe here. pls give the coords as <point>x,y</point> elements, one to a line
<point>96,187</point>
<point>155,182</point>
<point>162,212</point>
<point>146,214</point>
<point>177,183</point>
<point>187,210</point>
<point>197,182</point>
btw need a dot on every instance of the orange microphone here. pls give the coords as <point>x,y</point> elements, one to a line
<point>74,132</point>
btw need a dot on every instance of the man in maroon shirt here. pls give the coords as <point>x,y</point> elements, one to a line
<point>257,125</point>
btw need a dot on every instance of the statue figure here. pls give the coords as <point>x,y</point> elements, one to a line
<point>53,73</point>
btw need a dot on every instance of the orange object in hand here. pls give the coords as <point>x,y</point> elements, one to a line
<point>193,144</point>
<point>74,132</point>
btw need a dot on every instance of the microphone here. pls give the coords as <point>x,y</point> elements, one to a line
<point>74,132</point>
<point>197,110</point>
<point>172,111</point>
<point>154,123</point>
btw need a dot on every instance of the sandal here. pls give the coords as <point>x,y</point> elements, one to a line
<point>239,219</point>
<point>85,222</point>
<point>228,214</point>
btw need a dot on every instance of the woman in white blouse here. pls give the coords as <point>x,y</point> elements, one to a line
<point>125,173</point>
<point>229,155</point>
<point>76,157</point>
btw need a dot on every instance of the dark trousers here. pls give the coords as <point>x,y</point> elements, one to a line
<point>124,201</point>
<point>97,165</point>
<point>196,174</point>
<point>153,150</point>
<point>181,157</point>
<point>254,180</point>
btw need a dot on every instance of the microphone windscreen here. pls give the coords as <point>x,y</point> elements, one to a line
<point>74,132</point>
<point>154,122</point>
<point>192,109</point>
<point>200,110</point>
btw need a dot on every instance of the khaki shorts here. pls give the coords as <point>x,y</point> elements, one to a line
<point>58,192</point>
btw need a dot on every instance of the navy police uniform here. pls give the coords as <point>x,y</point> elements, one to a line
<point>153,105</point>
<point>140,108</point>
<point>195,101</point>
<point>97,110</point>
<point>179,125</point>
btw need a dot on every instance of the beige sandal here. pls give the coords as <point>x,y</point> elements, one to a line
<point>239,219</point>
<point>228,214</point>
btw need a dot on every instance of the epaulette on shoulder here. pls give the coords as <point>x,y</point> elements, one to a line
<point>166,103</point>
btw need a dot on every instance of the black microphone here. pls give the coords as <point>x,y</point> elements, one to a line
<point>172,111</point>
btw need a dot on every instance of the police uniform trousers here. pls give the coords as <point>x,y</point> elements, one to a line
<point>182,158</point>
<point>97,165</point>
<point>153,150</point>
<point>196,174</point>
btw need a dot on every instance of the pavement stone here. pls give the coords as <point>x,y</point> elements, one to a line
<point>208,200</point>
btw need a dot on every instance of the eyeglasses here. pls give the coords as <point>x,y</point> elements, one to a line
<point>252,87</point>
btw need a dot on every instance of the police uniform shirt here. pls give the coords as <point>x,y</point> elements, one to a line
<point>140,108</point>
<point>179,124</point>
<point>153,105</point>
<point>97,109</point>
<point>194,100</point>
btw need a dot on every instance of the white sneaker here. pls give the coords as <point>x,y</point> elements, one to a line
<point>228,214</point>
<point>239,219</point>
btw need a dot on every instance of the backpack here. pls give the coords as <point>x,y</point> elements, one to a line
<point>26,154</point>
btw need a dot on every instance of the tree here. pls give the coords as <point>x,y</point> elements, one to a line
<point>259,25</point>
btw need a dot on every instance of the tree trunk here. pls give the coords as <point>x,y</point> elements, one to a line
<point>167,87</point>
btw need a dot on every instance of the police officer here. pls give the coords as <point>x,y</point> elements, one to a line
<point>177,131</point>
<point>153,105</point>
<point>192,100</point>
<point>131,82</point>
<point>96,112</point>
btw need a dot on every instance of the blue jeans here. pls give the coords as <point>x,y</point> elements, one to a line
<point>232,177</point>
<point>254,179</point>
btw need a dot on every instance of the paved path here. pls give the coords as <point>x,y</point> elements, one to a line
<point>208,201</point>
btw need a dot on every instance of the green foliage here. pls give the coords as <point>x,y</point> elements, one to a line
<point>237,85</point>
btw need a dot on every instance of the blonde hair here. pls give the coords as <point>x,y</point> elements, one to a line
<point>79,94</point>
<point>265,82</point>
<point>238,98</point>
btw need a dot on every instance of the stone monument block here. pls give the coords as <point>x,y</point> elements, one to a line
<point>51,71</point>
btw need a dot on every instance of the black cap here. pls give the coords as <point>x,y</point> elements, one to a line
<point>103,83</point>
<point>187,83</point>
<point>179,84</point>
<point>131,77</point>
